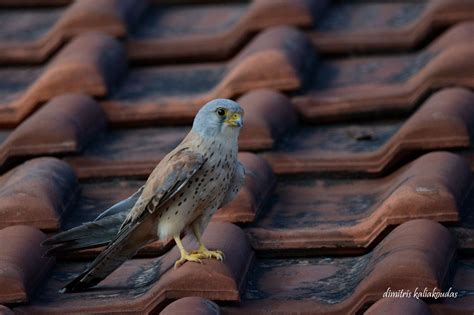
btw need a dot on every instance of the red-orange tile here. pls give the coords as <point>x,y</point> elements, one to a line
<point>168,94</point>
<point>418,253</point>
<point>213,31</point>
<point>444,121</point>
<point>350,88</point>
<point>44,30</point>
<point>341,216</point>
<point>384,25</point>
<point>91,63</point>
<point>65,125</point>
<point>145,285</point>
<point>37,193</point>
<point>22,263</point>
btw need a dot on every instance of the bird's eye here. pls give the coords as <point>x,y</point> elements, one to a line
<point>220,111</point>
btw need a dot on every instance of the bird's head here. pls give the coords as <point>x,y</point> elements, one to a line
<point>220,116</point>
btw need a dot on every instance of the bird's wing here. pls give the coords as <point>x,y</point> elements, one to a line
<point>122,206</point>
<point>235,184</point>
<point>168,178</point>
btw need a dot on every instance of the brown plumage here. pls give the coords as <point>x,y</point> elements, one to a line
<point>182,193</point>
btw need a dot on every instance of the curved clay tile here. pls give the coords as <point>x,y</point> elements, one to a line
<point>22,263</point>
<point>37,193</point>
<point>384,26</point>
<point>145,285</point>
<point>340,216</point>
<point>444,121</point>
<point>91,64</point>
<point>58,25</point>
<point>275,59</point>
<point>65,125</point>
<point>416,254</point>
<point>213,32</point>
<point>349,88</point>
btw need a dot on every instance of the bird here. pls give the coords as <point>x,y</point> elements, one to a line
<point>180,196</point>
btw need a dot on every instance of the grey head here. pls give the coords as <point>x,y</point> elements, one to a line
<point>219,117</point>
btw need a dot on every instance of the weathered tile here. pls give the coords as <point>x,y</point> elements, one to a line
<point>22,263</point>
<point>341,216</point>
<point>194,305</point>
<point>32,34</point>
<point>350,88</point>
<point>348,26</point>
<point>418,253</point>
<point>37,193</point>
<point>65,125</point>
<point>444,121</point>
<point>91,63</point>
<point>213,31</point>
<point>399,306</point>
<point>268,116</point>
<point>173,93</point>
<point>145,285</point>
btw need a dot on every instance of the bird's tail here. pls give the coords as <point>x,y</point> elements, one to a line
<point>124,246</point>
<point>88,235</point>
<point>96,233</point>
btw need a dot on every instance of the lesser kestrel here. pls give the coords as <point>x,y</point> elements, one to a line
<point>182,193</point>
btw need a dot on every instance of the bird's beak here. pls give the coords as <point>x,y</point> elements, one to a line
<point>235,120</point>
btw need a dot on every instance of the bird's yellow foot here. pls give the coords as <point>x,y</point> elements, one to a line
<point>204,253</point>
<point>187,257</point>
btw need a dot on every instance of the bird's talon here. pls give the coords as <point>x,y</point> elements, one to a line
<point>212,254</point>
<point>187,257</point>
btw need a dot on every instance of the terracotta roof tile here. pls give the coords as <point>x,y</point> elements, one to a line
<point>331,214</point>
<point>382,25</point>
<point>348,216</point>
<point>444,121</point>
<point>23,265</point>
<point>184,32</point>
<point>91,63</point>
<point>44,30</point>
<point>78,118</point>
<point>173,93</point>
<point>269,115</point>
<point>37,193</point>
<point>415,254</point>
<point>356,86</point>
<point>196,305</point>
<point>132,291</point>
<point>399,306</point>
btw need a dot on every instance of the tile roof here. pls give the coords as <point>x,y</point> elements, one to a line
<point>357,145</point>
